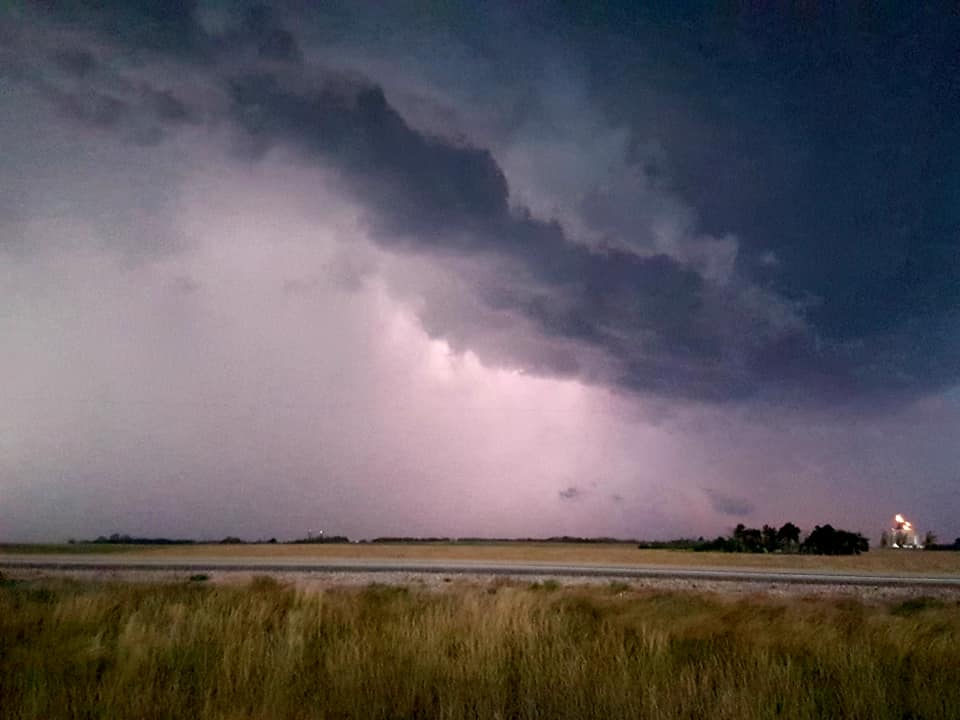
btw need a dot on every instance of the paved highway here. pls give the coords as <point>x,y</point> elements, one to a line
<point>119,563</point>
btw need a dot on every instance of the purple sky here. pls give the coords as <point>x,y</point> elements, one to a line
<point>266,270</point>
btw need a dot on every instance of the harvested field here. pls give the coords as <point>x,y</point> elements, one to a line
<point>891,561</point>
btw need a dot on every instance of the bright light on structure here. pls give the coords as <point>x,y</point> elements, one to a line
<point>903,534</point>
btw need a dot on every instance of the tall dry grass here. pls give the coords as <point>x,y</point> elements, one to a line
<point>499,651</point>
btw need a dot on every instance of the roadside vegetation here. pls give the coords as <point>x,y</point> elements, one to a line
<point>71,650</point>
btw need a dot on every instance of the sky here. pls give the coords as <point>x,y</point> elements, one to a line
<point>496,269</point>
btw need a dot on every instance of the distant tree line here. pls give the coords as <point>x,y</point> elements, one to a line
<point>321,540</point>
<point>407,540</point>
<point>822,540</point>
<point>312,540</point>
<point>570,539</point>
<point>954,546</point>
<point>676,544</point>
<point>118,539</point>
<point>122,539</point>
<point>573,539</point>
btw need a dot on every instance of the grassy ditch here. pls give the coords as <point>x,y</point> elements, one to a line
<point>498,651</point>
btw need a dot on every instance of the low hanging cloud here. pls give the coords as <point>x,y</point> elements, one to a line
<point>729,504</point>
<point>570,493</point>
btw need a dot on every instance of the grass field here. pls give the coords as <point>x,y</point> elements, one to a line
<point>190,650</point>
<point>902,561</point>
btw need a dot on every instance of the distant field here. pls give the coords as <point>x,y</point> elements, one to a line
<point>65,548</point>
<point>612,554</point>
<point>497,650</point>
<point>880,561</point>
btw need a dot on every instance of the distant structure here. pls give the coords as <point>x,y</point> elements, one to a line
<point>904,535</point>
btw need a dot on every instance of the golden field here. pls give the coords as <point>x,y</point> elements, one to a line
<point>878,561</point>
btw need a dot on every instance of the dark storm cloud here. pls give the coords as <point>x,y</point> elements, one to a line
<point>172,27</point>
<point>845,284</point>
<point>825,138</point>
<point>663,325</point>
<point>165,105</point>
<point>140,115</point>
<point>262,29</point>
<point>79,63</point>
<point>424,188</point>
<point>93,108</point>
<point>155,25</point>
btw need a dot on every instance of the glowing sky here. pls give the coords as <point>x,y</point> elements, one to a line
<point>431,270</point>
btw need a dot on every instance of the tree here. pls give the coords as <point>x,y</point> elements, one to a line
<point>748,539</point>
<point>770,541</point>
<point>826,540</point>
<point>788,536</point>
<point>930,539</point>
